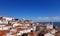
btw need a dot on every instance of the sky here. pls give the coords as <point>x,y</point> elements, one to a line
<point>36,10</point>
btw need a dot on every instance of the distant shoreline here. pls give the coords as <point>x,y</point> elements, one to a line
<point>55,23</point>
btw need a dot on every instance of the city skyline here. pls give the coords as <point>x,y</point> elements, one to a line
<point>30,9</point>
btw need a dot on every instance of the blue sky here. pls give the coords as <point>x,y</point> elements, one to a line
<point>30,9</point>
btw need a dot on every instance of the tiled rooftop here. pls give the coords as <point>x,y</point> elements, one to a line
<point>18,27</point>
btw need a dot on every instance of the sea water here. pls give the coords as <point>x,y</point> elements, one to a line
<point>54,23</point>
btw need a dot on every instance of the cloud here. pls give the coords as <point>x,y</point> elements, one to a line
<point>56,18</point>
<point>48,19</point>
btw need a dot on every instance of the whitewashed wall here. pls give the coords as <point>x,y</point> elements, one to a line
<point>49,26</point>
<point>8,18</point>
<point>5,27</point>
<point>48,34</point>
<point>3,22</point>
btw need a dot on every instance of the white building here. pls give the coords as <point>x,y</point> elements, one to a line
<point>8,18</point>
<point>5,27</point>
<point>49,34</point>
<point>49,26</point>
<point>53,31</point>
<point>8,34</point>
<point>3,22</point>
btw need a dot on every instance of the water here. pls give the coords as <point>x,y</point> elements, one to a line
<point>55,23</point>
